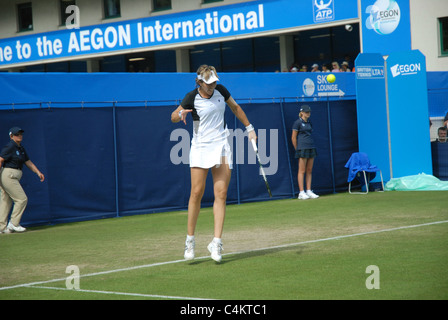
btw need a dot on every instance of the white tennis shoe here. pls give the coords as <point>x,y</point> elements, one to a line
<point>303,196</point>
<point>6,230</point>
<point>311,194</point>
<point>215,250</point>
<point>189,250</point>
<point>12,228</point>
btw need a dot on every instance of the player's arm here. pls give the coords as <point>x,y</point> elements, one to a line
<point>175,115</point>
<point>241,115</point>
<point>180,114</point>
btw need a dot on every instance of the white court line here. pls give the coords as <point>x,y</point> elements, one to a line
<point>32,284</point>
<point>119,293</point>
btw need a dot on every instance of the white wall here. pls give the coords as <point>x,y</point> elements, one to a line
<point>46,17</point>
<point>46,13</point>
<point>425,31</point>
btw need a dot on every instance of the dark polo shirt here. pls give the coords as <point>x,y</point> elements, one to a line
<point>304,138</point>
<point>15,156</point>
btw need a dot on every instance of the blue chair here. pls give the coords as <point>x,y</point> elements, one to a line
<point>359,163</point>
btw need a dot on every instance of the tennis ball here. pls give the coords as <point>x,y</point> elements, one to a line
<point>331,78</point>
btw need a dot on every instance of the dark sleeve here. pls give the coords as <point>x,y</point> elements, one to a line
<point>223,90</point>
<point>446,117</point>
<point>188,101</point>
<point>6,152</point>
<point>296,125</point>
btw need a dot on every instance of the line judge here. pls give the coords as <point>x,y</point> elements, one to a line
<point>12,158</point>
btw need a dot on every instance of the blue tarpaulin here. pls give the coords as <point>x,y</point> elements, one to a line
<point>108,148</point>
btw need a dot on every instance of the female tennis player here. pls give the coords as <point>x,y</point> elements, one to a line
<point>305,151</point>
<point>210,149</point>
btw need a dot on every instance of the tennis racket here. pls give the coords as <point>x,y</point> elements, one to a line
<point>254,145</point>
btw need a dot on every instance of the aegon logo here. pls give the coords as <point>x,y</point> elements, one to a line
<point>388,13</point>
<point>405,69</point>
<point>384,16</point>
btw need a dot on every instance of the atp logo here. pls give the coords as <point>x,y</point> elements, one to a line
<point>384,16</point>
<point>323,10</point>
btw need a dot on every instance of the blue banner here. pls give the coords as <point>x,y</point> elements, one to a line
<point>386,26</point>
<point>372,111</point>
<point>169,30</point>
<point>392,106</point>
<point>408,113</point>
<point>137,161</point>
<point>92,88</point>
<point>316,85</point>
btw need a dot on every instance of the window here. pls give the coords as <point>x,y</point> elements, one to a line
<point>443,22</point>
<point>63,5</point>
<point>160,5</point>
<point>111,9</point>
<point>25,16</point>
<point>246,55</point>
<point>325,45</point>
<point>209,53</point>
<point>237,56</point>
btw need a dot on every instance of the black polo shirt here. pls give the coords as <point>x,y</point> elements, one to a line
<point>15,156</point>
<point>304,138</point>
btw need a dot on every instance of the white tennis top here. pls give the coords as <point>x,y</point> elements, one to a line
<point>210,133</point>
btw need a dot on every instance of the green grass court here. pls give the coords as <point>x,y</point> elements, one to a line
<point>273,250</point>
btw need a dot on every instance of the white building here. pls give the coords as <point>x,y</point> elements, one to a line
<point>274,47</point>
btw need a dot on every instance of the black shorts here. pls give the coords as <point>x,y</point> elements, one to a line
<point>306,153</point>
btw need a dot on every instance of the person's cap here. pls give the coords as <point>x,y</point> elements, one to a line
<point>305,108</point>
<point>314,65</point>
<point>15,130</point>
<point>211,79</point>
<point>345,63</point>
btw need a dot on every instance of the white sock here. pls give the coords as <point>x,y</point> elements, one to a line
<point>302,192</point>
<point>190,238</point>
<point>217,240</point>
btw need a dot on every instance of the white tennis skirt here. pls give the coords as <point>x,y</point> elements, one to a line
<point>208,155</point>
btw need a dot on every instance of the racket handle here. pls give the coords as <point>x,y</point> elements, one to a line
<point>254,145</point>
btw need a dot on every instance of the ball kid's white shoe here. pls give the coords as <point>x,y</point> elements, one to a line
<point>303,196</point>
<point>311,194</point>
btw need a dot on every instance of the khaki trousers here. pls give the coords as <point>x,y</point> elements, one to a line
<point>11,191</point>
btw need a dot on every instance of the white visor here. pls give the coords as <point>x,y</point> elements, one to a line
<point>211,79</point>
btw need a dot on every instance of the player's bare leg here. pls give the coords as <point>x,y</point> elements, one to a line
<point>198,177</point>
<point>221,179</point>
